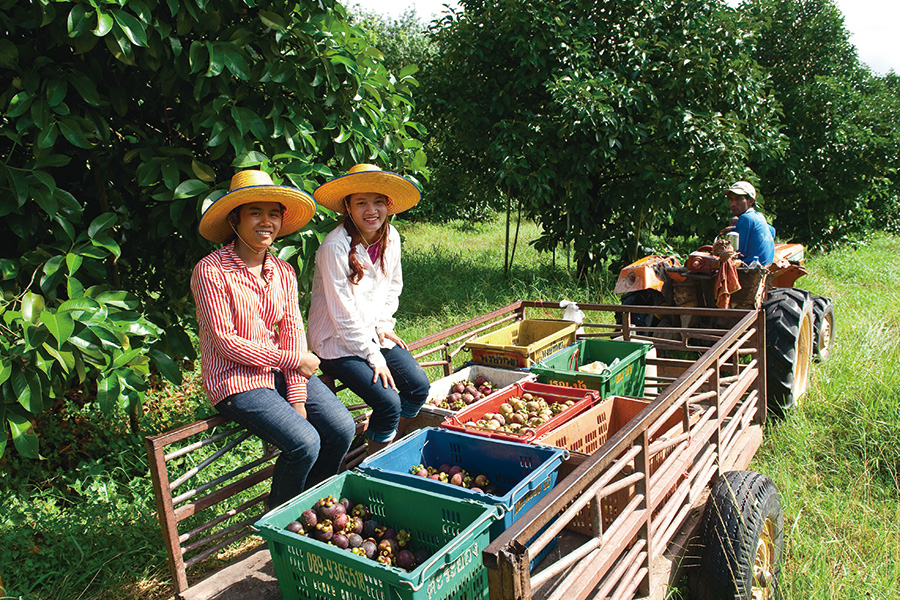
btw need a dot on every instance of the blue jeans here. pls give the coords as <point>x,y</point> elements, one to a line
<point>312,449</point>
<point>387,405</point>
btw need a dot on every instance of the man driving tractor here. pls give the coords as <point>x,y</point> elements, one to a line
<point>756,238</point>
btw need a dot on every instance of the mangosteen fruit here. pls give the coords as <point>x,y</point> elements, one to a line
<point>355,525</point>
<point>405,560</point>
<point>458,388</point>
<point>330,511</point>
<point>309,518</point>
<point>481,481</point>
<point>370,548</point>
<point>340,522</point>
<point>456,479</point>
<point>389,544</point>
<point>323,531</point>
<point>361,511</point>
<point>480,380</point>
<point>454,470</point>
<point>354,540</point>
<point>468,398</point>
<point>369,528</point>
<point>295,527</point>
<point>340,540</point>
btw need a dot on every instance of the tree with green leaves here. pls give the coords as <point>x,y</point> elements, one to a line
<point>840,123</point>
<point>119,120</point>
<point>607,121</point>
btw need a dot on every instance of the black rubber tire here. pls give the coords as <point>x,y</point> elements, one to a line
<point>789,342</point>
<point>742,540</point>
<point>641,298</point>
<point>823,327</point>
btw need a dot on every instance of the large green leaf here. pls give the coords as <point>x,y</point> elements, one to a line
<point>108,391</point>
<point>24,438</point>
<point>120,299</point>
<point>6,370</point>
<point>60,325</point>
<point>102,240</point>
<point>166,366</point>
<point>65,359</point>
<point>101,223</point>
<point>132,27</point>
<point>22,391</point>
<point>190,188</point>
<point>9,56</point>
<point>32,305</point>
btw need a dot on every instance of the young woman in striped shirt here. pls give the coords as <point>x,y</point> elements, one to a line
<point>356,289</point>
<point>254,360</point>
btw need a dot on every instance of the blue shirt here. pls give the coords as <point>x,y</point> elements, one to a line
<point>756,241</point>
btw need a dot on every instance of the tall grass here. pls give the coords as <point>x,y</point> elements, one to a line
<point>89,531</point>
<point>836,460</point>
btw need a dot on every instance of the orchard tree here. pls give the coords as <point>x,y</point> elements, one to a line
<point>608,121</point>
<point>840,121</point>
<point>119,120</point>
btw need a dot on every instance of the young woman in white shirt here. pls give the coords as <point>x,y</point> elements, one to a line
<point>356,290</point>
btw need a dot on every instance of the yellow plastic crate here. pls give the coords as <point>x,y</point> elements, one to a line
<point>522,344</point>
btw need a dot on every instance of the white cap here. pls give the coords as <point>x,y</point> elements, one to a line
<point>743,188</point>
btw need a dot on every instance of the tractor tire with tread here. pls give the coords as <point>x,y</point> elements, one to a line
<point>789,342</point>
<point>742,537</point>
<point>823,327</point>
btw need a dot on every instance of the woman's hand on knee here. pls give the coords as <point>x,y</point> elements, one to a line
<point>309,364</point>
<point>393,337</point>
<point>300,407</point>
<point>387,380</point>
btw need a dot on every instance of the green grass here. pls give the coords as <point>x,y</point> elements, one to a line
<point>836,460</point>
<point>82,524</point>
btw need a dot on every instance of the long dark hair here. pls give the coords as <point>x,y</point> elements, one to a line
<point>356,269</point>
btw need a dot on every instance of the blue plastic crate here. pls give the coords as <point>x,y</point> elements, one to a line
<point>522,473</point>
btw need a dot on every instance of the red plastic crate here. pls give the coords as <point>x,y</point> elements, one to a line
<point>552,394</point>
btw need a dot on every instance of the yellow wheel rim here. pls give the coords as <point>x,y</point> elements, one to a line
<point>803,357</point>
<point>764,564</point>
<point>825,336</point>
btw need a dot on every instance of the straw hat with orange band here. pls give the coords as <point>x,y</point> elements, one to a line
<point>256,186</point>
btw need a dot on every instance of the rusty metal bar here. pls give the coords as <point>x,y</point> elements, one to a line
<point>204,442</point>
<point>230,475</point>
<point>223,517</point>
<point>208,460</point>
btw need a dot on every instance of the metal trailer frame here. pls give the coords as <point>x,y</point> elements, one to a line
<point>725,381</point>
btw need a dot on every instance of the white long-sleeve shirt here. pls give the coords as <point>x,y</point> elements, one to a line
<point>345,318</point>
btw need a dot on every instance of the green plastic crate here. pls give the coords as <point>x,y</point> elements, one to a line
<point>456,531</point>
<point>625,378</point>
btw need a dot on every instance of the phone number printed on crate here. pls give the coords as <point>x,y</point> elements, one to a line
<point>337,571</point>
<point>449,572</point>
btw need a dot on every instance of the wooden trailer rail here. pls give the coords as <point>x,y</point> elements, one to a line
<point>657,483</point>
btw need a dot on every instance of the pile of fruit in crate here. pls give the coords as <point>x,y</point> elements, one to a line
<point>455,475</point>
<point>352,527</point>
<point>520,416</point>
<point>465,392</point>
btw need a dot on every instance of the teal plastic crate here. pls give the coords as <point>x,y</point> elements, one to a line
<point>455,531</point>
<point>625,377</point>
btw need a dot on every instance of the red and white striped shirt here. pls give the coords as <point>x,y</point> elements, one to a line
<point>247,328</point>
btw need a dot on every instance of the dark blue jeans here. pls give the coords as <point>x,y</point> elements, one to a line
<point>387,405</point>
<point>312,449</point>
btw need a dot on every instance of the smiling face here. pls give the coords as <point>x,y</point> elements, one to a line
<point>368,211</point>
<point>259,224</point>
<point>738,203</point>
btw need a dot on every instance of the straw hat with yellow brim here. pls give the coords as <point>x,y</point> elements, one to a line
<point>364,179</point>
<point>256,186</point>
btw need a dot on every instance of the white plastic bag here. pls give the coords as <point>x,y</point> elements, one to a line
<point>574,314</point>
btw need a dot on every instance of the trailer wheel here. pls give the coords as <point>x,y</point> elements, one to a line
<point>789,343</point>
<point>743,540</point>
<point>641,298</point>
<point>823,326</point>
